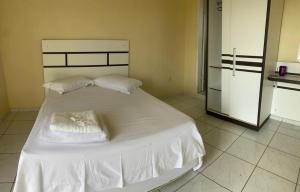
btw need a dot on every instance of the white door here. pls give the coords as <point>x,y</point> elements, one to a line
<point>247,23</point>
<point>226,49</point>
<point>243,28</point>
<point>226,27</point>
<point>244,96</point>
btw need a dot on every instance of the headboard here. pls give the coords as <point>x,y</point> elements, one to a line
<point>90,58</point>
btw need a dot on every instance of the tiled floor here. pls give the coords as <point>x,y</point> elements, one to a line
<point>237,159</point>
<point>13,134</point>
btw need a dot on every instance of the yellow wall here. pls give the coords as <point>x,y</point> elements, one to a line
<point>155,29</point>
<point>163,38</point>
<point>290,33</point>
<point>3,96</point>
<point>192,24</point>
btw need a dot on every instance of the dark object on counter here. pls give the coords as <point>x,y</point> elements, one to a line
<point>282,70</point>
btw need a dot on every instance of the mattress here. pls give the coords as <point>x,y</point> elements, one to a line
<point>148,139</point>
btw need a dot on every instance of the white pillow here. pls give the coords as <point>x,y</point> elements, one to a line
<point>70,84</point>
<point>118,83</point>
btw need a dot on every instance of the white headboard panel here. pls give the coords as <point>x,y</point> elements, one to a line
<point>90,58</point>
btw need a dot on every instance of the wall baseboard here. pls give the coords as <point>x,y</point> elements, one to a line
<point>24,109</point>
<point>293,122</point>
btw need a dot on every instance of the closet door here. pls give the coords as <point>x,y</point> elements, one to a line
<point>247,23</point>
<point>244,96</point>
<point>226,27</point>
<point>226,50</point>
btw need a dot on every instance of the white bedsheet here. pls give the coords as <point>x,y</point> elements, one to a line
<point>148,139</point>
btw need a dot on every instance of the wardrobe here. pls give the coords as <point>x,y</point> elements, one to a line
<point>241,51</point>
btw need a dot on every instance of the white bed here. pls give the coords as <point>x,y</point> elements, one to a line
<point>151,144</point>
<point>149,139</point>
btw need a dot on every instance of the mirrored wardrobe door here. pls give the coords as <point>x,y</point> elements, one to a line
<point>214,65</point>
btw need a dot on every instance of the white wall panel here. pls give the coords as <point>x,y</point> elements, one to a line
<point>51,74</point>
<point>54,60</point>
<point>87,59</point>
<point>84,45</point>
<point>118,58</point>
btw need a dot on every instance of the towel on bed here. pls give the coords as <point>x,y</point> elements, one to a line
<point>78,125</point>
<point>75,122</point>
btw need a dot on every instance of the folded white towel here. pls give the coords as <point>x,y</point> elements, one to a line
<point>77,127</point>
<point>75,122</point>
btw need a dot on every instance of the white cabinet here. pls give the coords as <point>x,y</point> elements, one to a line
<point>243,29</point>
<point>240,95</point>
<point>286,103</point>
<point>226,27</point>
<point>250,41</point>
<point>243,26</point>
<point>248,25</point>
<point>244,96</point>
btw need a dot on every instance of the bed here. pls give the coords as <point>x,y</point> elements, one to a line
<point>151,144</point>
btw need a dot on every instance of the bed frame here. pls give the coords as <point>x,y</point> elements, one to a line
<point>90,58</point>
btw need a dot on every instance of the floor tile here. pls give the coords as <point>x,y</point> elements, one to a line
<point>286,143</point>
<point>202,184</point>
<point>229,172</point>
<point>5,187</point>
<point>3,126</point>
<point>233,128</point>
<point>20,127</point>
<point>211,155</point>
<point>204,127</point>
<point>262,136</point>
<point>290,130</point>
<point>211,120</point>
<point>173,186</point>
<point>247,150</point>
<point>190,101</point>
<point>280,163</point>
<point>155,190</point>
<point>25,116</point>
<point>193,112</point>
<point>8,167</point>
<point>10,116</point>
<point>271,124</point>
<point>220,139</point>
<point>12,143</point>
<point>263,181</point>
<point>183,103</point>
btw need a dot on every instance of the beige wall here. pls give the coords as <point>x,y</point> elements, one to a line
<point>163,36</point>
<point>3,96</point>
<point>192,29</point>
<point>155,29</point>
<point>290,33</point>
